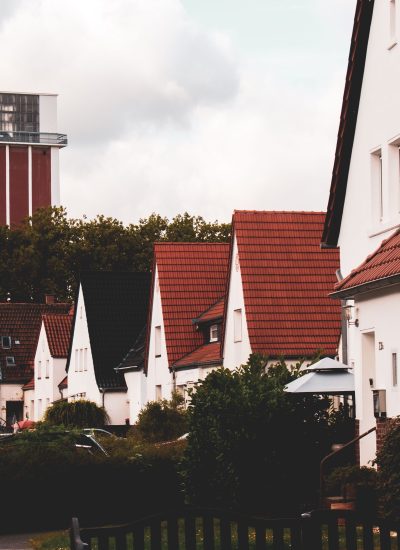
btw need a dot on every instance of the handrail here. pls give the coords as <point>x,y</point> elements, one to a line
<point>51,138</point>
<point>330,455</point>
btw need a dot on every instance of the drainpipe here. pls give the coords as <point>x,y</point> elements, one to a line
<point>339,277</point>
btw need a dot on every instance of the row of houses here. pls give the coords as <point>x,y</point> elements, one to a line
<point>288,284</point>
<point>132,338</point>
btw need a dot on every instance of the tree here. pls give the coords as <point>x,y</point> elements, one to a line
<point>250,444</point>
<point>162,420</point>
<point>77,414</point>
<point>46,253</point>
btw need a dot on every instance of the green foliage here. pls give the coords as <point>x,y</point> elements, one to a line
<point>45,254</point>
<point>162,420</point>
<point>360,477</point>
<point>79,414</point>
<point>388,462</point>
<point>250,444</point>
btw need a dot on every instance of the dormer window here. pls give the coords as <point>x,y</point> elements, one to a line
<point>6,342</point>
<point>214,333</point>
<point>10,361</point>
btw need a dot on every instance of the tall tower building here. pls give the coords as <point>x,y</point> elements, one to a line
<point>29,149</point>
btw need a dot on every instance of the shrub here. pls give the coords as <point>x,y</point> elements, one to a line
<point>79,414</point>
<point>388,462</point>
<point>253,446</point>
<point>162,420</point>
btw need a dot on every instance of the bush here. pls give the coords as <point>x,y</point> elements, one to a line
<point>162,420</point>
<point>388,462</point>
<point>253,446</point>
<point>79,414</point>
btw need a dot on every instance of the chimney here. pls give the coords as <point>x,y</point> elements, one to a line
<point>49,299</point>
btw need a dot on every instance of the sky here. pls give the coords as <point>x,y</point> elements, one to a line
<point>203,106</point>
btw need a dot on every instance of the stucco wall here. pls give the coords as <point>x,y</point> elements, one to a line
<point>235,353</point>
<point>9,392</point>
<point>378,125</point>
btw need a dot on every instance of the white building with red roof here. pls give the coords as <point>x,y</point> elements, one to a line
<point>363,210</point>
<point>186,311</point>
<point>277,301</point>
<point>50,361</point>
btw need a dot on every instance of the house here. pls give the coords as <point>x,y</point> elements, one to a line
<point>183,332</point>
<point>277,300</point>
<point>20,326</point>
<point>50,362</point>
<point>363,216</point>
<point>110,312</point>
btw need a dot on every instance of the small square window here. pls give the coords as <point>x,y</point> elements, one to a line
<point>157,341</point>
<point>214,333</point>
<point>237,325</point>
<point>6,342</point>
<point>10,361</point>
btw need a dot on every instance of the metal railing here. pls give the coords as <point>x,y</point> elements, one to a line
<point>45,138</point>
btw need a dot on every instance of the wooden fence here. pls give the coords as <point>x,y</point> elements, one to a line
<point>195,529</point>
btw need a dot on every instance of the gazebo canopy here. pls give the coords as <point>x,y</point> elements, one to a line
<point>327,376</point>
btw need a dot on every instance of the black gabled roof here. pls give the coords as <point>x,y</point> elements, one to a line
<point>134,359</point>
<point>348,121</point>
<point>116,306</point>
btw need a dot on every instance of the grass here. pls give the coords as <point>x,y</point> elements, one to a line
<point>60,540</point>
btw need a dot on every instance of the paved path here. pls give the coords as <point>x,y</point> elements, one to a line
<point>16,542</point>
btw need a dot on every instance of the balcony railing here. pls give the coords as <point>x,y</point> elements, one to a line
<point>44,138</point>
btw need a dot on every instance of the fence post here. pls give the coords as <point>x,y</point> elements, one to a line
<point>311,532</point>
<point>75,537</point>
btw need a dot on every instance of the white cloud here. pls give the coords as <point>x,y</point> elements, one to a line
<point>163,115</point>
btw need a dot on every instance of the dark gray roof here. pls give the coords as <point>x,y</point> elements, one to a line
<point>134,359</point>
<point>116,306</point>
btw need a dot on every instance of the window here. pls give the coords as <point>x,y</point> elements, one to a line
<point>10,361</point>
<point>6,342</point>
<point>85,359</point>
<point>377,186</point>
<point>47,368</point>
<point>81,360</point>
<point>39,370</point>
<point>39,409</point>
<point>158,393</point>
<point>237,325</point>
<point>76,360</point>
<point>394,369</point>
<point>394,177</point>
<point>157,341</point>
<point>214,333</point>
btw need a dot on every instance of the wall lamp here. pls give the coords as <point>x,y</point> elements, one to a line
<point>348,312</point>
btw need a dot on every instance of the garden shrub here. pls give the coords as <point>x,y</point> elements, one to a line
<point>162,420</point>
<point>388,462</point>
<point>79,414</point>
<point>253,446</point>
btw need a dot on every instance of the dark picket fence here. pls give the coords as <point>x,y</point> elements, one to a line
<point>195,529</point>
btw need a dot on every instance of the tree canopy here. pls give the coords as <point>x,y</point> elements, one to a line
<point>46,253</point>
<point>251,445</point>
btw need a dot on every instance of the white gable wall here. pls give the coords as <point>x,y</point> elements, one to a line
<point>46,387</point>
<point>378,125</point>
<point>29,404</point>
<point>82,383</point>
<point>235,353</point>
<point>158,373</point>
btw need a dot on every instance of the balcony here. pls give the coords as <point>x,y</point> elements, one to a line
<point>40,138</point>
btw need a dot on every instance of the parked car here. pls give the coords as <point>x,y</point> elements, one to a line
<point>83,441</point>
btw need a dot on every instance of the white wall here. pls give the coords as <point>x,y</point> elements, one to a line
<point>235,353</point>
<point>136,382</point>
<point>29,404</point>
<point>377,125</point>
<point>9,392</point>
<point>383,330</point>
<point>55,176</point>
<point>117,406</point>
<point>82,381</point>
<point>158,373</point>
<point>48,113</point>
<point>46,387</point>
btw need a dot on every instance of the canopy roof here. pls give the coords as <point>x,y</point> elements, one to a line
<point>327,376</point>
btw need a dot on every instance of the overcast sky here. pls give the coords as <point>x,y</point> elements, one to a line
<point>202,106</point>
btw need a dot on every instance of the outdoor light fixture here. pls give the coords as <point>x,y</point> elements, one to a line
<point>348,312</point>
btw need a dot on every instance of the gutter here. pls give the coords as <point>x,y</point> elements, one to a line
<point>378,284</point>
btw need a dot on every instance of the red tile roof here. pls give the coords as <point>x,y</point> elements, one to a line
<point>30,385</point>
<point>286,279</point>
<point>216,311</point>
<point>192,278</point>
<point>58,330</point>
<point>379,269</point>
<point>348,120</point>
<point>22,322</point>
<point>64,383</point>
<point>208,354</point>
